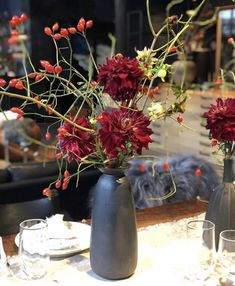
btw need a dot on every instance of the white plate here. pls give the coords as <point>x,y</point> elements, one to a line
<point>78,244</point>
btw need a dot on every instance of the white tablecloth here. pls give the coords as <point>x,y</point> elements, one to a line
<point>160,262</point>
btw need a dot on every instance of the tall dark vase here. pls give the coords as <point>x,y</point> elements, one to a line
<point>113,249</point>
<point>221,208</point>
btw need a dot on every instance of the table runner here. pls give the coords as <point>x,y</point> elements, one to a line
<point>159,262</point>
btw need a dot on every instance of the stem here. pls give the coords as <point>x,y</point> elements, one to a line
<point>90,52</point>
<point>51,109</point>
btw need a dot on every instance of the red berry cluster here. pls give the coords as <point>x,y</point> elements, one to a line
<point>17,20</point>
<point>50,68</point>
<point>230,41</point>
<point>59,184</point>
<point>152,92</point>
<point>14,22</point>
<point>173,49</point>
<point>58,33</point>
<point>17,110</point>
<point>17,83</point>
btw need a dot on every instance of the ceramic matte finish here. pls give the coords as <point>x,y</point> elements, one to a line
<point>113,249</point>
<point>221,208</point>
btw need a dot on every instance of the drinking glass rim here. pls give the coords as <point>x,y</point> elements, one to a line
<point>201,220</point>
<point>32,220</point>
<point>224,238</point>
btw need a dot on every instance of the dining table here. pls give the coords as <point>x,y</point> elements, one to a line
<point>144,217</point>
<point>156,226</point>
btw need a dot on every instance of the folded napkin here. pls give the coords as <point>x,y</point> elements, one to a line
<point>59,229</point>
<point>62,235</point>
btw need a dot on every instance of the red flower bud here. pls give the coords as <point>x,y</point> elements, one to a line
<point>13,23</point>
<point>180,119</point>
<point>230,41</point>
<point>55,27</point>
<point>19,85</point>
<point>44,63</point>
<point>62,130</point>
<point>38,77</point>
<point>58,184</point>
<point>82,21</point>
<point>93,83</point>
<point>173,49</point>
<point>17,110</point>
<point>46,192</point>
<point>166,166</point>
<point>59,155</point>
<point>32,75</point>
<point>64,186</point>
<point>16,19</point>
<point>13,82</point>
<point>14,33</point>
<point>214,142</point>
<point>89,23</point>
<point>142,168</point>
<point>13,40</point>
<point>80,27</point>
<point>2,82</point>
<point>72,30</point>
<point>198,172</point>
<point>156,89</point>
<point>23,18</point>
<point>58,69</point>
<point>66,174</point>
<point>144,90</point>
<point>64,32</point>
<point>49,68</point>
<point>57,36</point>
<point>48,136</point>
<point>48,31</point>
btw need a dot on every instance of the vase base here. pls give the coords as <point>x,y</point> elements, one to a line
<point>113,276</point>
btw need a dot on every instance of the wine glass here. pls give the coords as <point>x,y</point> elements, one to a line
<point>226,253</point>
<point>201,254</point>
<point>34,248</point>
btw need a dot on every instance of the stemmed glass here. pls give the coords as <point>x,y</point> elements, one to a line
<point>226,253</point>
<point>201,256</point>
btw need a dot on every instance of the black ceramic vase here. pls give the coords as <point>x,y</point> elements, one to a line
<point>221,208</point>
<point>113,249</point>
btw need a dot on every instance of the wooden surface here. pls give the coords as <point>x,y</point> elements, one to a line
<point>144,217</point>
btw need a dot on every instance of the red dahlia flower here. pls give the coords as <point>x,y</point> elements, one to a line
<point>221,119</point>
<point>122,126</point>
<point>120,77</point>
<point>75,142</point>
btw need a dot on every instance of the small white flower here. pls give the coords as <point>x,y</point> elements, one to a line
<point>162,74</point>
<point>144,53</point>
<point>155,110</point>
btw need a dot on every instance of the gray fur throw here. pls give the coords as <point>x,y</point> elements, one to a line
<point>149,187</point>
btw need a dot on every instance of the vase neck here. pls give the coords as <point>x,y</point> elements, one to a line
<point>228,176</point>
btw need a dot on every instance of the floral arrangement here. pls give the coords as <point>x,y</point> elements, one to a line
<point>106,136</point>
<point>221,123</point>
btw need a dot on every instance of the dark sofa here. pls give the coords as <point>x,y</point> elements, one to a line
<point>21,196</point>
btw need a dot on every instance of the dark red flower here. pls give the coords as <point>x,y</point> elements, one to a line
<point>221,119</point>
<point>120,77</point>
<point>75,142</point>
<point>120,127</point>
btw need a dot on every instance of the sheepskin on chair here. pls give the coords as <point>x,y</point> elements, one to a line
<point>149,187</point>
